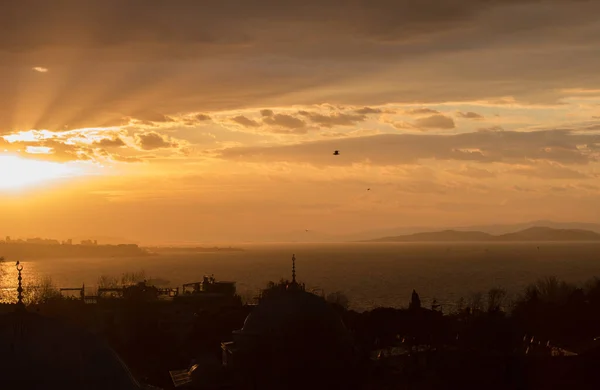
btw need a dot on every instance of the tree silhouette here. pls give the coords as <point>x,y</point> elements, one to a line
<point>496,298</point>
<point>338,298</point>
<point>415,301</point>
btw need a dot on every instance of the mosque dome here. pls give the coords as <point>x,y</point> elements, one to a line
<point>294,313</point>
<point>294,339</point>
<point>42,352</point>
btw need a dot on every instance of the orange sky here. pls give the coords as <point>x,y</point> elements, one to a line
<point>210,121</point>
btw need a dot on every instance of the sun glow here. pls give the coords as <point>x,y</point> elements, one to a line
<point>16,172</point>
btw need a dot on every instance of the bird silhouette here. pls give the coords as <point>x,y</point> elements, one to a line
<point>368,189</point>
<point>336,153</point>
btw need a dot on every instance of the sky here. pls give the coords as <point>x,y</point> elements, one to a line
<point>216,121</point>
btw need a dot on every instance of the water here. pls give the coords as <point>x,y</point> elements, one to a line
<point>369,274</point>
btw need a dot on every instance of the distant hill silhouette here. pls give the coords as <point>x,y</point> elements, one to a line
<point>445,235</point>
<point>531,234</point>
<point>549,234</point>
<point>315,236</point>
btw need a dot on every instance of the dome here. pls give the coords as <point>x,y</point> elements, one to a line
<point>292,340</point>
<point>295,340</point>
<point>42,352</point>
<point>294,312</point>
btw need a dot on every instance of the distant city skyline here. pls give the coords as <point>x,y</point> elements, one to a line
<point>219,123</point>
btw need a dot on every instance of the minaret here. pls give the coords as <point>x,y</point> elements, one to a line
<point>20,304</point>
<point>294,269</point>
<point>294,285</point>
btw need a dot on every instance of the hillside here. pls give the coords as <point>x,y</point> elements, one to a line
<point>531,234</point>
<point>316,236</point>
<point>443,236</point>
<point>549,234</point>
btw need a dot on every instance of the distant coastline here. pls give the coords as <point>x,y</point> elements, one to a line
<point>46,249</point>
<point>186,250</point>
<point>25,250</point>
<point>534,234</point>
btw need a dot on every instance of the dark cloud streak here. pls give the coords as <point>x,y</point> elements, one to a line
<point>283,120</point>
<point>469,115</point>
<point>393,149</point>
<point>336,119</point>
<point>246,122</point>
<point>437,121</point>
<point>153,140</point>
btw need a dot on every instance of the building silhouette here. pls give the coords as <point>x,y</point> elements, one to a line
<point>293,339</point>
<point>40,352</point>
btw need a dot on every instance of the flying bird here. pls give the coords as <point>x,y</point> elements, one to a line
<point>336,153</point>
<point>368,189</point>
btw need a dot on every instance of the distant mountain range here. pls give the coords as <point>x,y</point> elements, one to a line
<point>314,236</point>
<point>539,234</point>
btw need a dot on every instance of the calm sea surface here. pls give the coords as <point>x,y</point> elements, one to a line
<point>369,274</point>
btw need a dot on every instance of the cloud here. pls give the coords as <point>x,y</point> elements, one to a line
<point>469,115</point>
<point>153,140</point>
<point>522,189</point>
<point>75,145</point>
<point>474,173</point>
<point>423,187</point>
<point>110,142</point>
<point>266,113</point>
<point>368,110</point>
<point>202,117</point>
<point>127,159</point>
<point>283,120</point>
<point>151,116</point>
<point>55,150</point>
<point>242,120</point>
<point>510,147</point>
<point>354,133</point>
<point>548,171</point>
<point>561,188</point>
<point>192,120</point>
<point>227,23</point>
<point>435,122</point>
<point>265,56</point>
<point>336,119</point>
<point>403,126</point>
<point>40,69</point>
<point>493,129</point>
<point>302,130</point>
<point>591,127</point>
<point>421,111</point>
